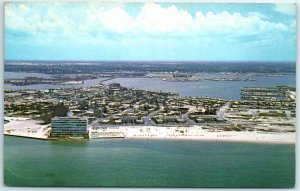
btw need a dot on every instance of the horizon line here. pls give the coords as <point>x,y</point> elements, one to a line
<point>223,61</point>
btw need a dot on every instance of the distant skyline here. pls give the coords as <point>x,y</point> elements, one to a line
<point>149,31</point>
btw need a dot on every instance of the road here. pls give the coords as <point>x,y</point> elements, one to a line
<point>148,120</point>
<point>288,114</point>
<point>186,118</point>
<point>222,110</point>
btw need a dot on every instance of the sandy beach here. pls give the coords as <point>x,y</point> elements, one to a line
<point>197,133</point>
<point>25,127</point>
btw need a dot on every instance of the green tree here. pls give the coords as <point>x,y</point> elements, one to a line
<point>60,110</point>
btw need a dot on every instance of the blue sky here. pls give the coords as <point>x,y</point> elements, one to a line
<point>150,31</point>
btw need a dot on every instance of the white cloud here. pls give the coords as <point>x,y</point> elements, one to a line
<point>234,24</point>
<point>288,9</point>
<point>152,20</point>
<point>21,18</point>
<point>115,19</point>
<point>156,20</point>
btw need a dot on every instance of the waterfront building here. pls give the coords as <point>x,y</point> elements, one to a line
<point>69,126</point>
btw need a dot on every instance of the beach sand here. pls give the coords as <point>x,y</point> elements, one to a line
<point>25,127</point>
<point>196,133</point>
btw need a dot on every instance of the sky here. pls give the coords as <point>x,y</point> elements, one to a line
<point>149,31</point>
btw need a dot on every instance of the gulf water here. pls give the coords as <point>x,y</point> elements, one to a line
<point>147,163</point>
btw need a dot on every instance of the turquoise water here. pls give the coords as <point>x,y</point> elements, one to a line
<point>147,163</point>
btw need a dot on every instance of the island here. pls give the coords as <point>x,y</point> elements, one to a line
<point>264,114</point>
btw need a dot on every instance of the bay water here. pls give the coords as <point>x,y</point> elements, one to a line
<point>229,90</point>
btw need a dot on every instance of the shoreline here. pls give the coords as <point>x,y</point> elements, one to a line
<point>160,138</point>
<point>220,139</point>
<point>28,128</point>
<point>23,136</point>
<point>213,140</point>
